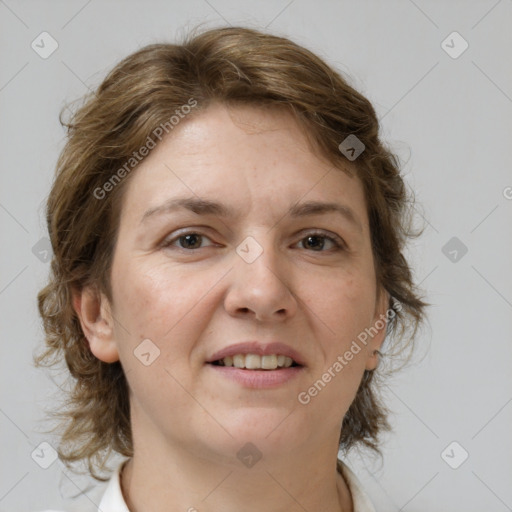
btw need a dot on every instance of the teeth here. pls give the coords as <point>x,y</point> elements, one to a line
<point>269,362</point>
<point>256,362</point>
<point>238,361</point>
<point>252,361</point>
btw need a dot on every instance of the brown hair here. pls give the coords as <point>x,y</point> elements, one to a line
<point>139,95</point>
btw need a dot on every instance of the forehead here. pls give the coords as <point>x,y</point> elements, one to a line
<point>223,126</point>
<point>249,157</point>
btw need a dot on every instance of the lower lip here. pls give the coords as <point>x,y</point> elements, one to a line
<point>258,379</point>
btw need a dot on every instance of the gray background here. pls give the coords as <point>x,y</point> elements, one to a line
<point>449,119</point>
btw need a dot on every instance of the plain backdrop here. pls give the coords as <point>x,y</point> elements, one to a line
<point>445,111</point>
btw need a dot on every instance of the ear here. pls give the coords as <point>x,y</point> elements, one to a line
<point>378,329</point>
<point>94,312</point>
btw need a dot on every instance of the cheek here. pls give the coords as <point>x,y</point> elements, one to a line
<point>165,304</point>
<point>157,328</point>
<point>152,299</point>
<point>347,310</point>
<point>347,305</point>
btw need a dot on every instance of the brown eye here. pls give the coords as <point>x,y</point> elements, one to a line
<point>317,241</point>
<point>192,241</point>
<point>186,241</point>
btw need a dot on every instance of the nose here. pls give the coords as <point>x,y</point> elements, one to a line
<point>261,289</point>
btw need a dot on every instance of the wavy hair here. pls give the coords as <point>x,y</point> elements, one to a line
<point>229,65</point>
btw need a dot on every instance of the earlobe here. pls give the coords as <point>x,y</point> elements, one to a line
<point>373,360</point>
<point>94,312</point>
<point>379,327</point>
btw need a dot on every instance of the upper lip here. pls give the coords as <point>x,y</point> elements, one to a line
<point>256,347</point>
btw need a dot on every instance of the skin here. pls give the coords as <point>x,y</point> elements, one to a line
<point>189,422</point>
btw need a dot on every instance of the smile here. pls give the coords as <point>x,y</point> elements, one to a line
<point>256,362</point>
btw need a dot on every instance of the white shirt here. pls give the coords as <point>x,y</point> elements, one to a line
<point>113,501</point>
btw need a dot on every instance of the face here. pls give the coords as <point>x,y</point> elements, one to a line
<point>268,277</point>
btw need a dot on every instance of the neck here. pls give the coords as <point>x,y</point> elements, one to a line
<point>176,480</point>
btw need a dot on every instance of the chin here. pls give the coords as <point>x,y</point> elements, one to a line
<point>268,428</point>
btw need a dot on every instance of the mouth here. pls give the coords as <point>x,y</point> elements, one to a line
<point>267,362</point>
<point>255,365</point>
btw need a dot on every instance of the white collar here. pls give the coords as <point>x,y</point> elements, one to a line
<point>360,500</point>
<point>113,500</point>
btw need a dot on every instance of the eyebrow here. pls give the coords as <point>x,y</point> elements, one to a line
<point>207,207</point>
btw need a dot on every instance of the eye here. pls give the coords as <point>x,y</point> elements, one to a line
<point>316,241</point>
<point>187,241</point>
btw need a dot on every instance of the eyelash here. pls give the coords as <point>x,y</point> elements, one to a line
<point>338,244</point>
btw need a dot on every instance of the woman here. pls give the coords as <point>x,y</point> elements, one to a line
<point>227,231</point>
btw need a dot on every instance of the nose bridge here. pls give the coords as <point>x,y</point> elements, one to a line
<point>260,281</point>
<point>259,258</point>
